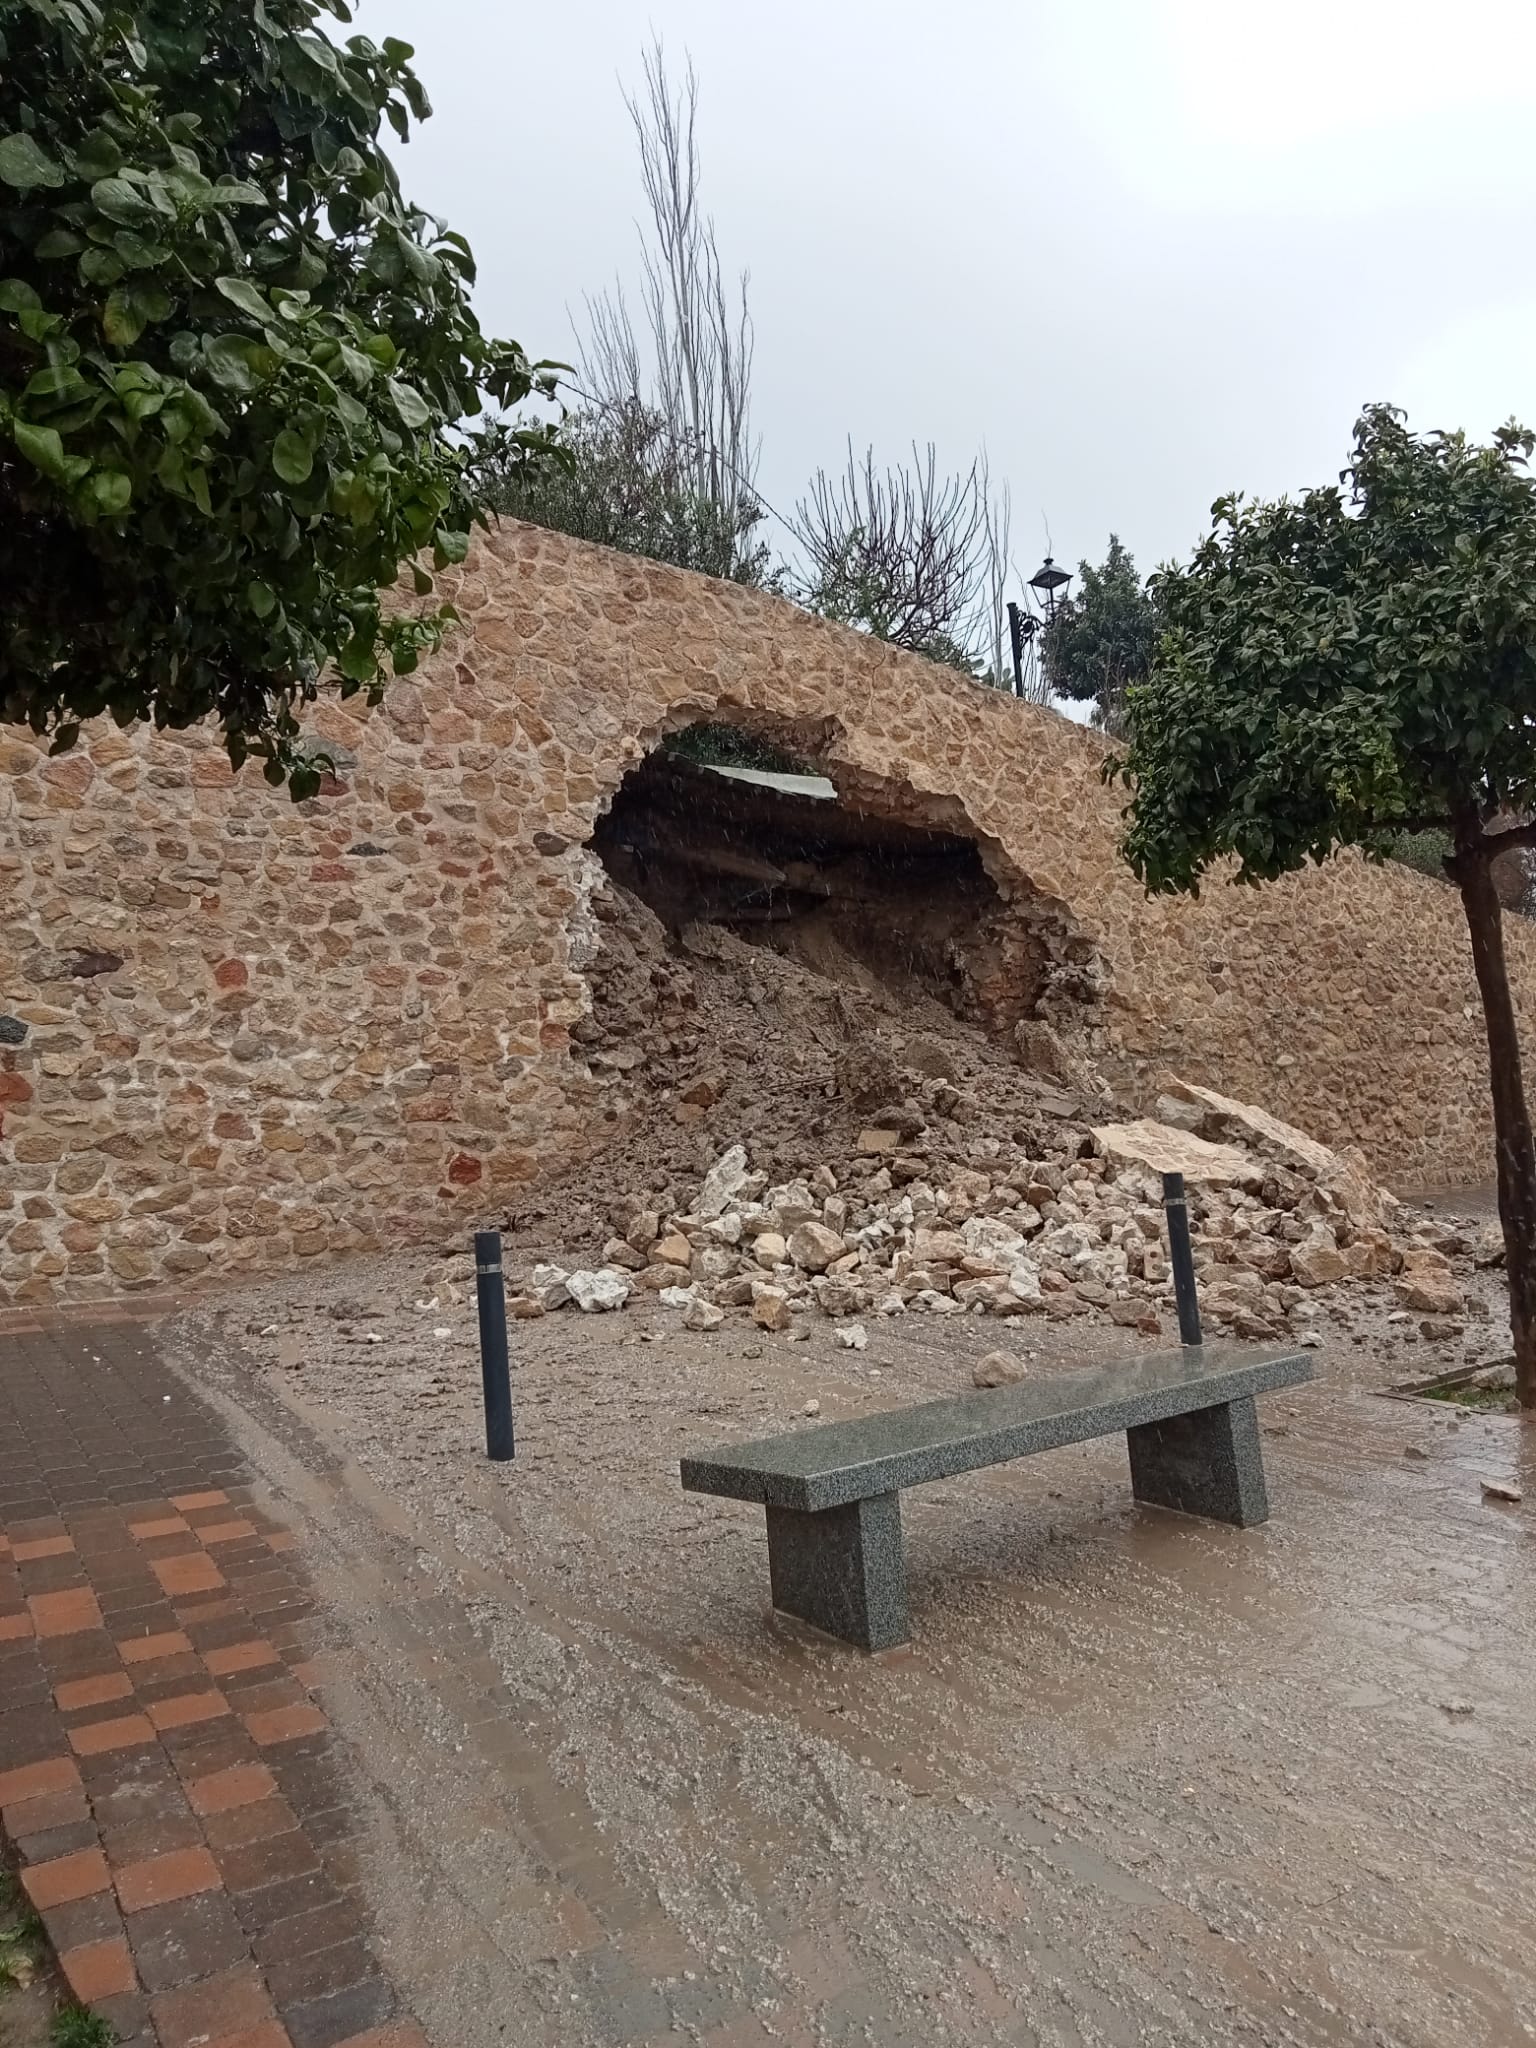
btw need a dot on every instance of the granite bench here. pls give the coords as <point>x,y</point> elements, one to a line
<point>833,1493</point>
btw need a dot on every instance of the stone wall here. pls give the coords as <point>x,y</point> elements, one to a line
<point>238,1033</point>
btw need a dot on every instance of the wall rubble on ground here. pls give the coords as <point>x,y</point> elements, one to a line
<point>236,1033</point>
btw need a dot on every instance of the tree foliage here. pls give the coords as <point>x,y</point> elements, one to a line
<point>1346,668</point>
<point>230,353</point>
<point>1101,641</point>
<point>630,483</point>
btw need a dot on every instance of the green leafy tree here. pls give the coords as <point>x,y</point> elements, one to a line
<point>230,359</point>
<point>630,483</point>
<point>1101,641</point>
<point>1346,668</point>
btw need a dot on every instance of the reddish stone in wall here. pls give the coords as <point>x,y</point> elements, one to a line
<point>231,974</point>
<point>15,1088</point>
<point>464,1171</point>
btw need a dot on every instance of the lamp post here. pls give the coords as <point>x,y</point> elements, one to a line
<point>1023,625</point>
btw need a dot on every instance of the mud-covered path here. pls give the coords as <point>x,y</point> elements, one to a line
<point>1138,1780</point>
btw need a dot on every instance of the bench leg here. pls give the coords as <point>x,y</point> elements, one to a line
<point>1207,1463</point>
<point>841,1570</point>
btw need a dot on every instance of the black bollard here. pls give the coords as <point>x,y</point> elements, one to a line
<point>1181,1257</point>
<point>495,1374</point>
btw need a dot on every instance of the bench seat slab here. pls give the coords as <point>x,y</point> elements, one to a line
<point>841,1569</point>
<point>1209,1462</point>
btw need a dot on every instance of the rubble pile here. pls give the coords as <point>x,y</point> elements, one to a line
<point>1276,1219</point>
<point>792,1138</point>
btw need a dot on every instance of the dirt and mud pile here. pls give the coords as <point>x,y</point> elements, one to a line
<point>796,1140</point>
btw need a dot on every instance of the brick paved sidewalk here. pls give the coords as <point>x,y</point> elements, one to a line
<point>167,1781</point>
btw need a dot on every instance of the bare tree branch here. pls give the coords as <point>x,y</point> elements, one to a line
<point>903,552</point>
<point>696,376</point>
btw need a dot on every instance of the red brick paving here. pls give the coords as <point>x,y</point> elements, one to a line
<point>161,1759</point>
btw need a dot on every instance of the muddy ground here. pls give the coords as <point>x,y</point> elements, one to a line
<point>1137,1780</point>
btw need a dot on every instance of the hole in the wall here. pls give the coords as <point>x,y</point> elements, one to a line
<point>861,882</point>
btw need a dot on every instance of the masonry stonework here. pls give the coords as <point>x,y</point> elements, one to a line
<point>236,1033</point>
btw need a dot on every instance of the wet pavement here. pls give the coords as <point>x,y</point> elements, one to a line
<point>168,1783</point>
<point>1137,1780</point>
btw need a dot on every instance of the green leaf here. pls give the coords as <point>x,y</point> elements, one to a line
<point>242,293</point>
<point>239,192</point>
<point>56,243</point>
<point>37,325</point>
<point>409,403</point>
<point>101,267</point>
<point>237,363</point>
<point>136,252</point>
<point>119,201</point>
<point>292,457</point>
<point>17,296</point>
<point>59,381</point>
<point>261,598</point>
<point>360,368</point>
<point>122,320</point>
<point>45,451</point>
<point>98,156</point>
<point>25,166</point>
<point>112,492</point>
<point>357,659</point>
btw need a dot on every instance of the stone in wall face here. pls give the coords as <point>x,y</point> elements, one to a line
<point>329,1016</point>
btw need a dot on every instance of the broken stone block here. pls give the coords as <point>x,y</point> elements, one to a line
<point>549,1285</point>
<point>836,1296</point>
<point>813,1246</point>
<point>770,1307</point>
<point>595,1293</point>
<point>986,1237</point>
<point>877,1141</point>
<point>998,1369</point>
<point>854,1337</point>
<point>769,1249</point>
<point>672,1250</point>
<point>1265,1256</point>
<point>1132,1314</point>
<point>652,1279</point>
<point>938,1247</point>
<point>1167,1150</point>
<point>1317,1260</point>
<point>722,1184</point>
<point>1430,1294</point>
<point>643,1230</point>
<point>703,1315</point>
<point>619,1252</point>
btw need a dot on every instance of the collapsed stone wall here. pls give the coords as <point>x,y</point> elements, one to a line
<point>235,1032</point>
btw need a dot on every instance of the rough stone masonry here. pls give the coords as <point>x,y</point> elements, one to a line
<point>236,1033</point>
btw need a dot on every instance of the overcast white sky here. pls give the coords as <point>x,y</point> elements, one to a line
<point>1146,250</point>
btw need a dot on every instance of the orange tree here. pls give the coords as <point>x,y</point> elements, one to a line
<point>1340,669</point>
<point>233,367</point>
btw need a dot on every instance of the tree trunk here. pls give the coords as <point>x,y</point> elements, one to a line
<point>1513,1142</point>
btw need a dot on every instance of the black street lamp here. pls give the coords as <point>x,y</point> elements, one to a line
<point>1024,625</point>
<point>1048,579</point>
